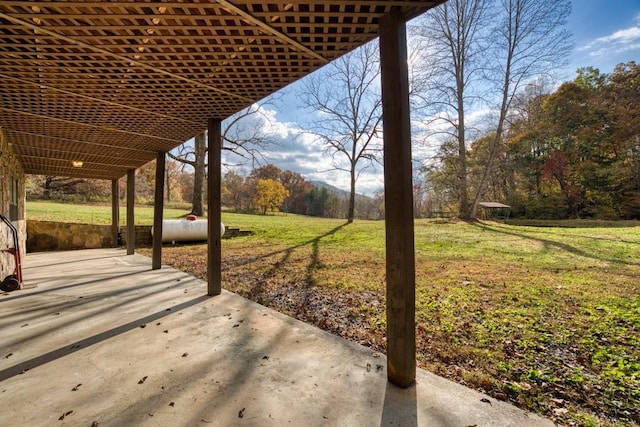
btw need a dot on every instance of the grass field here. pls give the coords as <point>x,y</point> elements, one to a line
<point>547,318</point>
<point>93,214</point>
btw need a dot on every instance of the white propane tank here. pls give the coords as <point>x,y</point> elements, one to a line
<point>182,230</point>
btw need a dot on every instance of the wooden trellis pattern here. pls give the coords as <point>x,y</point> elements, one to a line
<point>111,83</point>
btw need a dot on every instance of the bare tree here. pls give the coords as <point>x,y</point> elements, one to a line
<point>58,184</point>
<point>452,40</point>
<point>194,156</point>
<point>346,97</point>
<point>243,134</point>
<point>529,40</point>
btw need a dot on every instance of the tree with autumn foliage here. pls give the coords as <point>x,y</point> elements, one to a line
<point>243,134</point>
<point>297,188</point>
<point>474,45</point>
<point>569,153</point>
<point>578,154</point>
<point>270,194</point>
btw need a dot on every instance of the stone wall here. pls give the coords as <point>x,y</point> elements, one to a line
<point>143,235</point>
<point>12,204</point>
<point>60,236</point>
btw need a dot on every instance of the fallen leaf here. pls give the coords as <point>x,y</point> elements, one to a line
<point>66,414</point>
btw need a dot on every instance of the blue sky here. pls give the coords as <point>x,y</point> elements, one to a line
<point>605,33</point>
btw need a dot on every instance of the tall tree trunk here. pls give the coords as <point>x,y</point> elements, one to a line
<point>352,195</point>
<point>198,175</point>
<point>456,33</point>
<point>47,188</point>
<point>464,212</point>
<point>495,142</point>
<point>168,185</point>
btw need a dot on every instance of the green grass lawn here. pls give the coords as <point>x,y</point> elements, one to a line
<point>545,317</point>
<point>41,210</point>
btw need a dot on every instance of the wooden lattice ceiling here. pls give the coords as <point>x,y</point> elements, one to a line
<point>111,83</point>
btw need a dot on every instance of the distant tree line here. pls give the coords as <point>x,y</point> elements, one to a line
<point>571,153</point>
<point>264,190</point>
<point>292,194</point>
<point>478,55</point>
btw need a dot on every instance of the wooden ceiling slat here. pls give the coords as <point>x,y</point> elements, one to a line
<point>97,49</point>
<point>125,79</point>
<point>84,97</point>
<point>81,148</point>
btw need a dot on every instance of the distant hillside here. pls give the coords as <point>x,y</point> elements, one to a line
<point>338,191</point>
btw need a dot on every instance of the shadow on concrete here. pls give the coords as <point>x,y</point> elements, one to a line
<point>400,406</point>
<point>15,296</point>
<point>72,348</point>
<point>57,264</point>
<point>219,361</point>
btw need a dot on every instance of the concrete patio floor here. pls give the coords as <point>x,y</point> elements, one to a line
<point>98,338</point>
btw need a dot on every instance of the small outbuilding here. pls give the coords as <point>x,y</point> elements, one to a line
<point>494,210</point>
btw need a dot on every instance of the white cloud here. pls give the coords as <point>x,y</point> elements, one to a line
<point>272,126</point>
<point>620,41</point>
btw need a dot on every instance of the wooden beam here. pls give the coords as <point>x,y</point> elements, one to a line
<point>214,264</point>
<point>158,207</point>
<point>131,200</point>
<point>401,341</point>
<point>115,211</point>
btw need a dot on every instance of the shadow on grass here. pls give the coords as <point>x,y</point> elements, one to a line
<point>314,261</point>
<point>554,244</point>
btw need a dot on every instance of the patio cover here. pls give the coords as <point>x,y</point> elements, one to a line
<point>112,83</point>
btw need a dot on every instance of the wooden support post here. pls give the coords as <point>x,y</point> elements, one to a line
<point>158,207</point>
<point>115,211</point>
<point>131,200</point>
<point>401,294</point>
<point>214,264</point>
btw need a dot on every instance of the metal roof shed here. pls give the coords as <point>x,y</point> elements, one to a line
<point>495,210</point>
